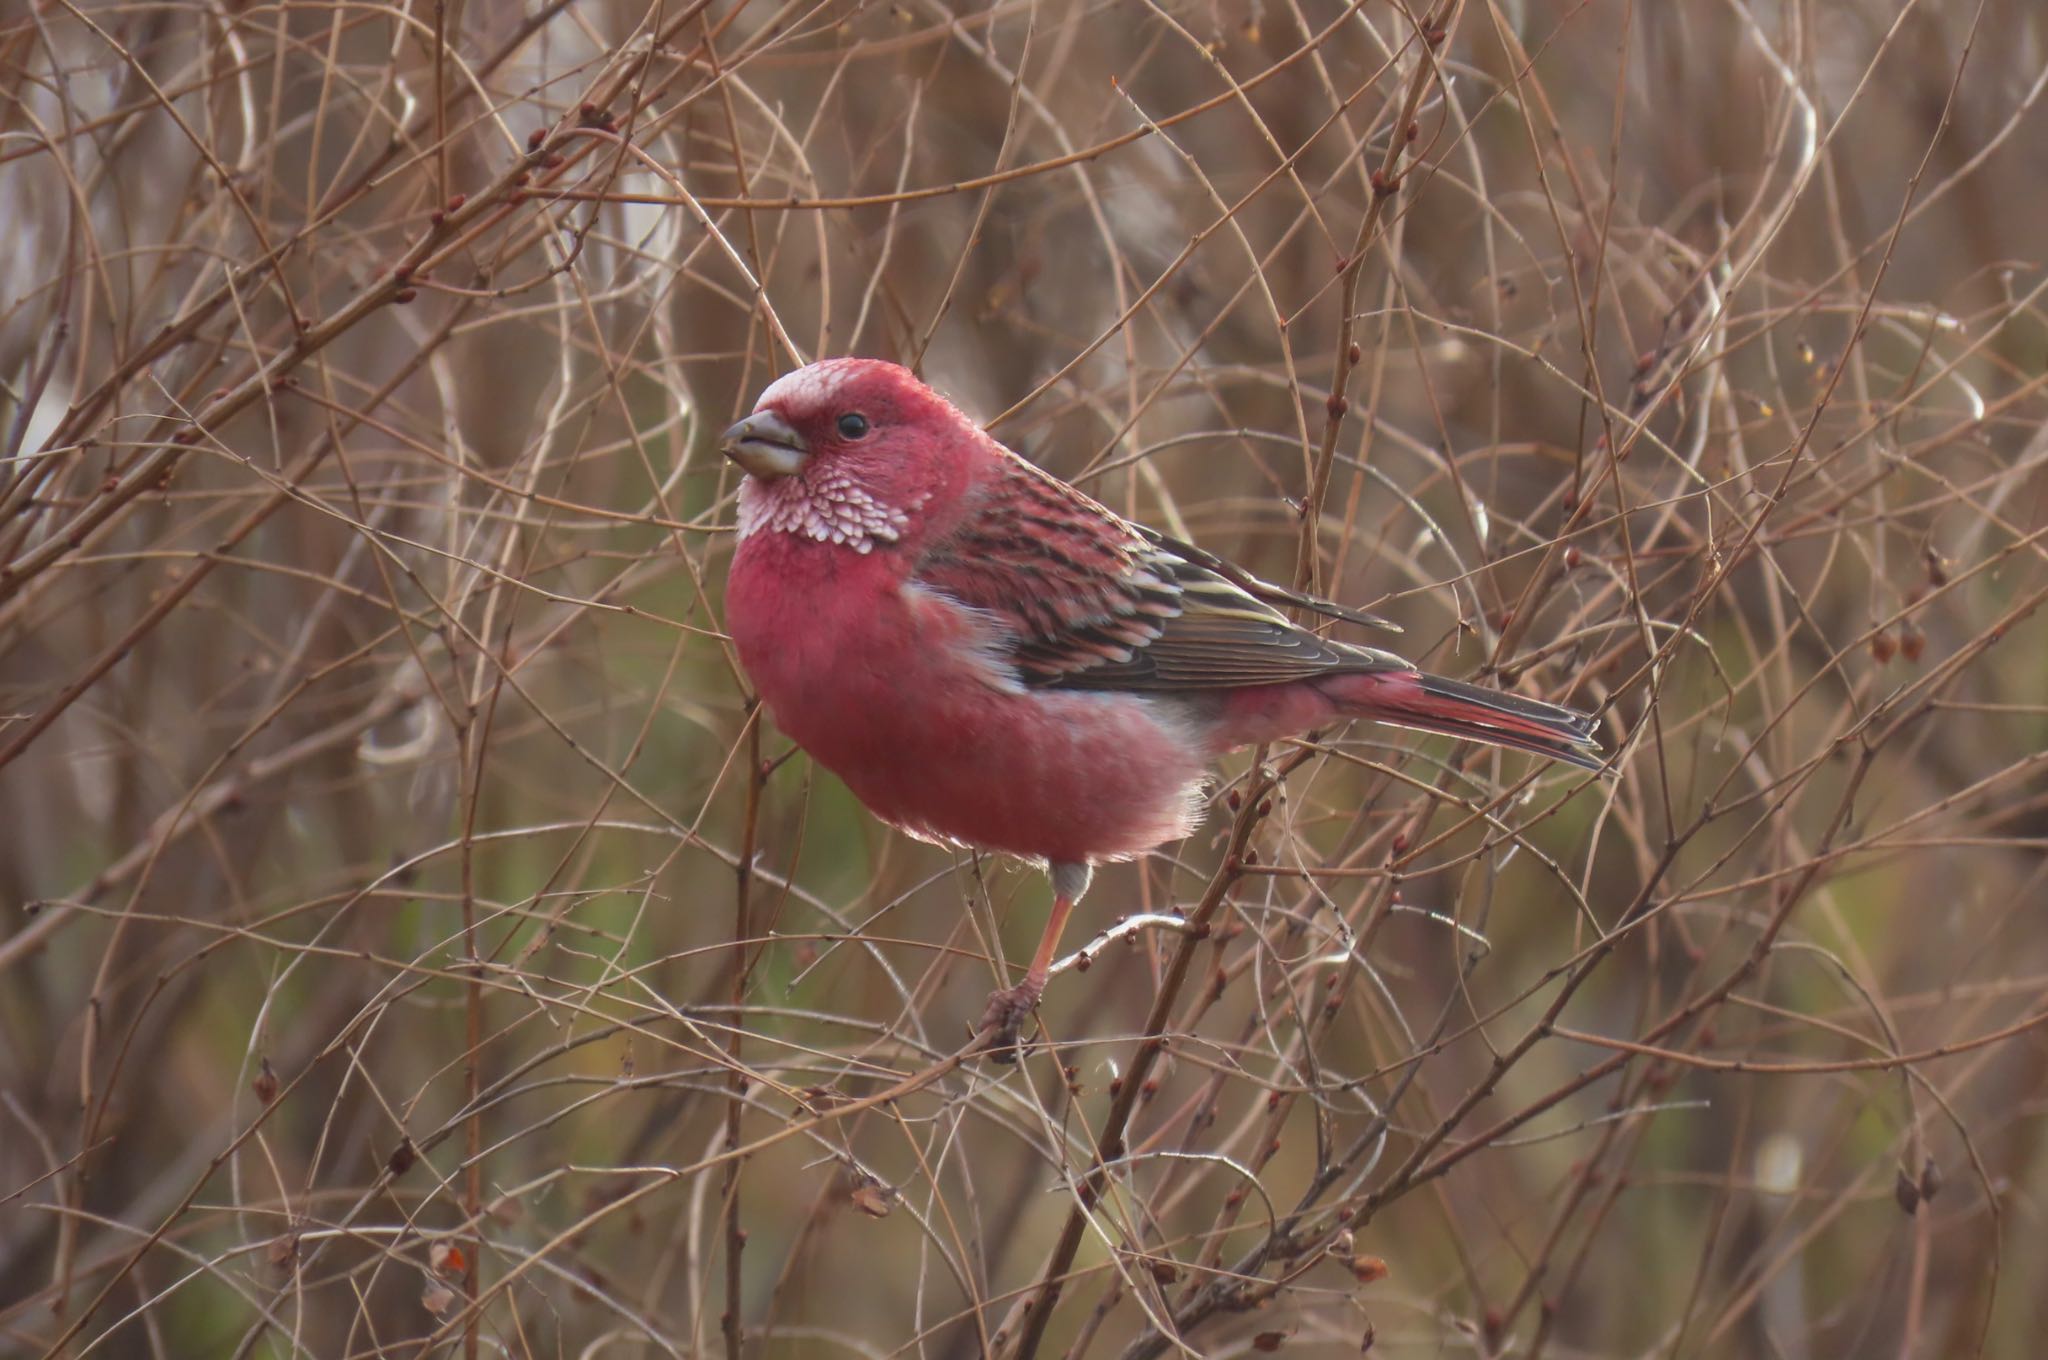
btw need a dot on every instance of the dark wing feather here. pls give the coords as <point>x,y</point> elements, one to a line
<point>1093,601</point>
<point>1265,591</point>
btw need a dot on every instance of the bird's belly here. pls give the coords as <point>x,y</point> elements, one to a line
<point>1055,775</point>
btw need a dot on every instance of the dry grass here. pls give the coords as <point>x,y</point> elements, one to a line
<point>408,944</point>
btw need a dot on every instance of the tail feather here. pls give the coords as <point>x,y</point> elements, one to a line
<point>1433,703</point>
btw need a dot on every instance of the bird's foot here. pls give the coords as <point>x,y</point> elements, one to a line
<point>1002,1021</point>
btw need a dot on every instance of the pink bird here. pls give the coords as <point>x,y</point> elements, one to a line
<point>990,658</point>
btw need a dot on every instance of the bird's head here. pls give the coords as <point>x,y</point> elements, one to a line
<point>851,451</point>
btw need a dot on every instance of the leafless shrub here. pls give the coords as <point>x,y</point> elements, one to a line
<point>410,943</point>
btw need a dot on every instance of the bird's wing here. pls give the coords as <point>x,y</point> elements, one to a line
<point>1093,601</point>
<point>1264,591</point>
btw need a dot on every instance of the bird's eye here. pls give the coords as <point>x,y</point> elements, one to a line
<point>852,425</point>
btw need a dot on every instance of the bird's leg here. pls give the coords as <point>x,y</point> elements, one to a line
<point>1003,1019</point>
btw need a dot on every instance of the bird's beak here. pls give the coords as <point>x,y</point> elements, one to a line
<point>766,445</point>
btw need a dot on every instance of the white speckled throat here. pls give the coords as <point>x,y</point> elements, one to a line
<point>821,503</point>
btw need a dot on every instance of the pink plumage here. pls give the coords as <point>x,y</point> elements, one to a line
<point>989,657</point>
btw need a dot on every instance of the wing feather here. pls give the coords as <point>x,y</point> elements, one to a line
<point>1096,602</point>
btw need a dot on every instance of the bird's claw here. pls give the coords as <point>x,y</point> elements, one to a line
<point>1002,1022</point>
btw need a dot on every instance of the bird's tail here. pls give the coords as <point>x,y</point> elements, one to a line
<point>1432,703</point>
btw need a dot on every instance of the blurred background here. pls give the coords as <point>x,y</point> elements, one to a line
<point>409,944</point>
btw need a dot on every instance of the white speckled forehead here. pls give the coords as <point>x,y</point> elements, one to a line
<point>810,388</point>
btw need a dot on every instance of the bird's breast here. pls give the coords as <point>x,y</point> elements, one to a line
<point>812,622</point>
